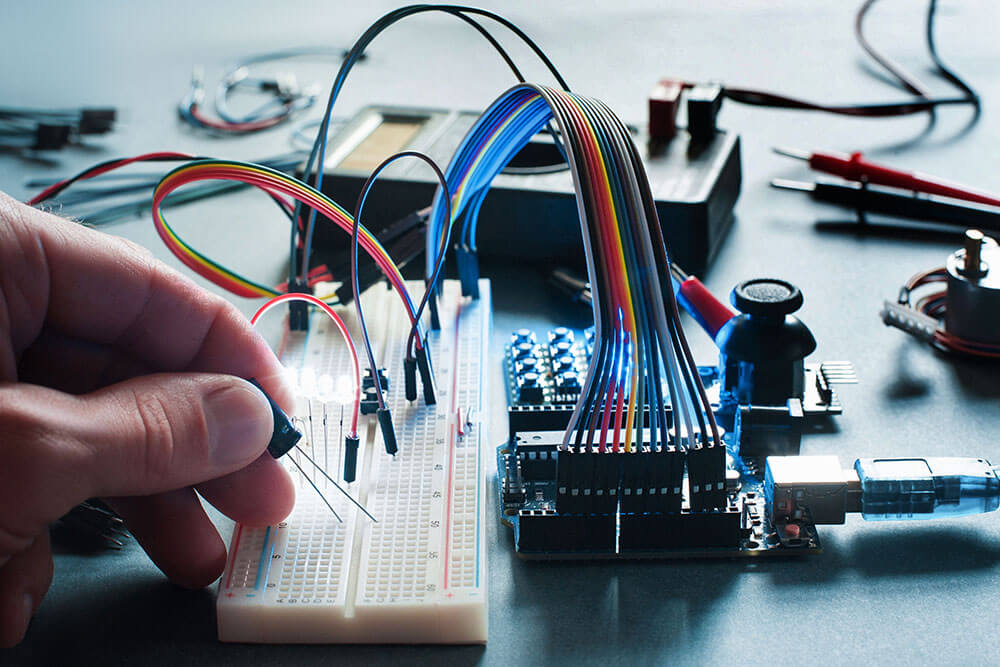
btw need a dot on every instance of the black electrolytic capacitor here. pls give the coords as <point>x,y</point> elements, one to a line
<point>285,435</point>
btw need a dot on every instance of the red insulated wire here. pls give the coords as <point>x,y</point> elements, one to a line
<point>714,314</point>
<point>932,276</point>
<point>355,364</point>
<point>606,421</point>
<point>252,126</point>
<point>607,230</point>
<point>623,363</point>
<point>104,168</point>
<point>317,274</point>
<point>960,345</point>
<point>935,305</point>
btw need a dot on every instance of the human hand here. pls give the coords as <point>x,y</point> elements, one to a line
<point>119,378</point>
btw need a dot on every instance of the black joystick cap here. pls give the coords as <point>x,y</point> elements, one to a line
<point>768,297</point>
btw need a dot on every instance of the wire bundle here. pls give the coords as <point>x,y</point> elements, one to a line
<point>280,186</point>
<point>51,129</point>
<point>641,357</point>
<point>416,353</point>
<point>935,305</point>
<point>287,98</point>
<point>140,184</point>
<point>317,157</point>
<point>642,375</point>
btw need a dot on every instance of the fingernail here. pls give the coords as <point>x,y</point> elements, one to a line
<point>239,423</point>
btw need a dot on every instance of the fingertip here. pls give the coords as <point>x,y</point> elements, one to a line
<point>262,494</point>
<point>278,387</point>
<point>24,581</point>
<point>177,535</point>
<point>281,495</point>
<point>262,366</point>
<point>202,572</point>
<point>15,615</point>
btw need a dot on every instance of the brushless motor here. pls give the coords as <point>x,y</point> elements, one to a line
<point>974,290</point>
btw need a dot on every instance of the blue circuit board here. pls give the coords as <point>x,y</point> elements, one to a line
<point>542,378</point>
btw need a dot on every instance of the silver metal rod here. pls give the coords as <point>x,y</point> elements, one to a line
<point>795,153</point>
<point>313,485</point>
<point>339,488</point>
<point>326,441</point>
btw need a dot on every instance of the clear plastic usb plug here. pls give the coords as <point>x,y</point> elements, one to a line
<point>926,488</point>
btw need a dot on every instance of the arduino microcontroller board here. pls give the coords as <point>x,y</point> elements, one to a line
<point>583,503</point>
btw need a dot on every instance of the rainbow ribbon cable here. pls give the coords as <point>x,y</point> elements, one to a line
<point>641,356</point>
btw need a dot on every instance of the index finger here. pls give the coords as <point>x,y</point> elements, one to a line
<point>101,288</point>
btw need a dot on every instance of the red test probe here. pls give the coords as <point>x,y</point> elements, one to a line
<point>855,167</point>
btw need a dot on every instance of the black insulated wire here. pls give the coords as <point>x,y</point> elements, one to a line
<point>319,146</point>
<point>358,209</point>
<point>923,104</point>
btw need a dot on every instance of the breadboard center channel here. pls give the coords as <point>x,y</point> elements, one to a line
<point>418,575</point>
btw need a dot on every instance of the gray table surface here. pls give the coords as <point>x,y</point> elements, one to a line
<point>879,592</point>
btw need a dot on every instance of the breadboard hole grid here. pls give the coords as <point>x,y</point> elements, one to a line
<point>426,547</point>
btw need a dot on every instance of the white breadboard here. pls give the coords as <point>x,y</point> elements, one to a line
<point>418,575</point>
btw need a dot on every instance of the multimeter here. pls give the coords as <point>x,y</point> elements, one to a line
<point>530,213</point>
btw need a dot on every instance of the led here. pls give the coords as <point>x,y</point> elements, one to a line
<point>325,387</point>
<point>344,393</point>
<point>307,382</point>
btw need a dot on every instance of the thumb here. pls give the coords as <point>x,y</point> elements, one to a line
<point>139,437</point>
